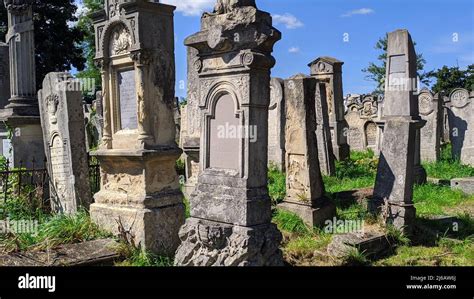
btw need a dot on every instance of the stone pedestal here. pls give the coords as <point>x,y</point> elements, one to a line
<point>393,193</point>
<point>22,112</point>
<point>139,184</point>
<point>230,220</point>
<point>328,71</point>
<point>304,183</point>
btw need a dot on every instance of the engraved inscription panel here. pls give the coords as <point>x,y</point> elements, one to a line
<point>371,134</point>
<point>127,99</point>
<point>224,141</point>
<point>60,167</point>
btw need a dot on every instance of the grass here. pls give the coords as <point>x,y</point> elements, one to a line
<point>432,199</point>
<point>448,168</point>
<point>276,184</point>
<point>357,172</point>
<point>135,257</point>
<point>291,223</point>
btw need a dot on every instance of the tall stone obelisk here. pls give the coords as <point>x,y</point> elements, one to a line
<point>22,112</point>
<point>393,194</point>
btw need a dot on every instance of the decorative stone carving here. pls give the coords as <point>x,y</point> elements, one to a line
<point>140,186</point>
<point>230,221</point>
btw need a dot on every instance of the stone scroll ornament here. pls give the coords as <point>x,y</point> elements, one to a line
<point>230,223</point>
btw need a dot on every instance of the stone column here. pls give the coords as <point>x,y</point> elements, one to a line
<point>22,112</point>
<point>230,223</point>
<point>328,70</point>
<point>304,184</point>
<point>393,193</point>
<point>4,75</point>
<point>323,131</point>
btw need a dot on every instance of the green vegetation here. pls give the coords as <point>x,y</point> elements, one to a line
<point>276,184</point>
<point>135,257</point>
<point>448,168</point>
<point>357,172</point>
<point>431,199</point>
<point>290,222</point>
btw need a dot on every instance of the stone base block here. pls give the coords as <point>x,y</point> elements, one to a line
<point>311,216</point>
<point>372,244</point>
<point>464,184</point>
<point>209,243</point>
<point>155,229</point>
<point>401,217</point>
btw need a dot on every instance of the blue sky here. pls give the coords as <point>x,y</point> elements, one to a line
<point>442,29</point>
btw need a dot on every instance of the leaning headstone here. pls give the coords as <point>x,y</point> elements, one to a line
<point>230,223</point>
<point>327,161</point>
<point>191,124</point>
<point>461,122</point>
<point>328,72</point>
<point>393,193</point>
<point>140,191</point>
<point>304,183</point>
<point>431,110</point>
<point>62,120</point>
<point>22,111</point>
<point>276,125</point>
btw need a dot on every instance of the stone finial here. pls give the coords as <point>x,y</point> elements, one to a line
<point>226,6</point>
<point>17,5</point>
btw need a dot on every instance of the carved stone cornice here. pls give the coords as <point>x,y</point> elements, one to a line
<point>15,6</point>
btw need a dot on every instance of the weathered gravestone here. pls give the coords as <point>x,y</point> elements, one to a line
<point>446,130</point>
<point>95,124</point>
<point>461,123</point>
<point>327,161</point>
<point>276,125</point>
<point>361,118</point>
<point>191,124</point>
<point>5,146</point>
<point>62,120</point>
<point>393,193</point>
<point>139,184</point>
<point>328,73</point>
<point>431,110</point>
<point>230,223</point>
<point>304,183</point>
<point>22,112</point>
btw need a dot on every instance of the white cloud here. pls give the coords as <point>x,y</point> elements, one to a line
<point>289,20</point>
<point>360,11</point>
<point>294,50</point>
<point>191,7</point>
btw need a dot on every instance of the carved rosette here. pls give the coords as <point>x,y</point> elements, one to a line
<point>425,103</point>
<point>459,98</point>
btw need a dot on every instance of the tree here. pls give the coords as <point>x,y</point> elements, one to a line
<point>376,72</point>
<point>88,45</point>
<point>449,78</point>
<point>57,40</point>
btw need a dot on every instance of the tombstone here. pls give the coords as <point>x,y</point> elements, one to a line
<point>95,123</point>
<point>276,125</point>
<point>191,124</point>
<point>177,118</point>
<point>393,193</point>
<point>304,183</point>
<point>431,110</point>
<point>62,120</point>
<point>4,96</point>
<point>328,72</point>
<point>230,223</point>
<point>326,156</point>
<point>461,121</point>
<point>361,118</point>
<point>446,131</point>
<point>140,190</point>
<point>22,111</point>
